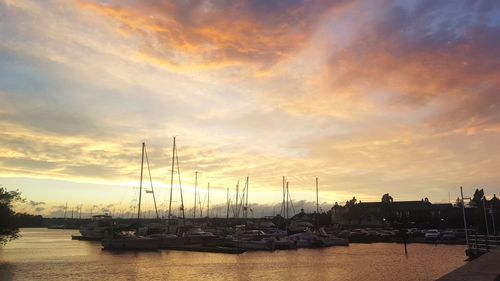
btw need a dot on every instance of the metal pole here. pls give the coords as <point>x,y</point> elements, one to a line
<point>282,211</point>
<point>151,181</point>
<point>237,194</point>
<point>287,198</point>
<point>227,212</point>
<point>208,204</point>
<point>180,187</point>
<point>195,187</point>
<point>485,217</point>
<point>465,221</point>
<point>246,198</point>
<point>140,188</point>
<point>317,204</point>
<point>171,186</point>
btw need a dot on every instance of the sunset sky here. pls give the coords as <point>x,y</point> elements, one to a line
<point>369,96</point>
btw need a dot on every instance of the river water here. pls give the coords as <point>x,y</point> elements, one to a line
<point>44,254</point>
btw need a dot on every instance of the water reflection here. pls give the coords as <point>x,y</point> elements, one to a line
<point>51,255</point>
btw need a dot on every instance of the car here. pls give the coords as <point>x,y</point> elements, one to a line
<point>448,235</point>
<point>432,234</point>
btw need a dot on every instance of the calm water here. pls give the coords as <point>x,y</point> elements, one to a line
<point>43,254</point>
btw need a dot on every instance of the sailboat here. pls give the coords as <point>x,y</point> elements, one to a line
<point>311,236</point>
<point>114,241</point>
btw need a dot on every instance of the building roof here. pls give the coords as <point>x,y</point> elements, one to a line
<point>407,205</point>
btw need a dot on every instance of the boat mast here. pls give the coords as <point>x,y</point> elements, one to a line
<point>140,188</point>
<point>195,187</point>
<point>227,212</point>
<point>246,201</point>
<point>465,221</point>
<point>317,204</point>
<point>282,211</point>
<point>180,187</point>
<point>200,204</point>
<point>287,198</point>
<point>171,186</point>
<point>242,200</point>
<point>208,203</point>
<point>237,195</point>
<point>151,181</point>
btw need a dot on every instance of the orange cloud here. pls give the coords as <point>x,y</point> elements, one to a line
<point>226,32</point>
<point>405,59</point>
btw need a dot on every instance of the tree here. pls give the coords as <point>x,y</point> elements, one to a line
<point>351,202</point>
<point>387,201</point>
<point>8,222</point>
<point>352,210</point>
<point>386,198</point>
<point>478,196</point>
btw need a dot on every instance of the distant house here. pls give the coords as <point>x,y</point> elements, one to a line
<point>494,201</point>
<point>380,214</point>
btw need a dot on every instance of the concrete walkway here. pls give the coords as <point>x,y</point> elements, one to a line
<point>485,267</point>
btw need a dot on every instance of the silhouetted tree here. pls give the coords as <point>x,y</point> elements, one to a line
<point>387,201</point>
<point>8,222</point>
<point>478,196</point>
<point>386,198</point>
<point>351,202</point>
<point>352,212</point>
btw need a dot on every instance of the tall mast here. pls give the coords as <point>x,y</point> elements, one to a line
<point>237,194</point>
<point>242,200</point>
<point>287,198</point>
<point>180,187</point>
<point>200,205</point>
<point>465,221</point>
<point>195,188</point>
<point>151,181</point>
<point>208,203</point>
<point>227,212</point>
<point>317,204</point>
<point>485,217</point>
<point>283,204</point>
<point>140,187</point>
<point>246,201</point>
<point>171,185</point>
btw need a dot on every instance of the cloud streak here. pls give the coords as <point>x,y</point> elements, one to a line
<point>216,33</point>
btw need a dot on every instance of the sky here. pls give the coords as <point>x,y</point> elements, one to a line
<point>371,97</point>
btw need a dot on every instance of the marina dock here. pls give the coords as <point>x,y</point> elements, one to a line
<point>483,268</point>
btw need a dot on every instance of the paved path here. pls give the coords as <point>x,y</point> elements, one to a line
<point>485,267</point>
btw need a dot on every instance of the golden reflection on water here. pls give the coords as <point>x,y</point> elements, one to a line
<point>43,254</point>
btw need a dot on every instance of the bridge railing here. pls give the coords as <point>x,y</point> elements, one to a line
<point>483,242</point>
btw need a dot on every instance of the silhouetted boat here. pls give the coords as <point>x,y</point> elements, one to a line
<point>116,241</point>
<point>284,243</point>
<point>265,244</point>
<point>94,231</point>
<point>130,243</point>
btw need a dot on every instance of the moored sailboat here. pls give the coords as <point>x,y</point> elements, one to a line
<point>117,241</point>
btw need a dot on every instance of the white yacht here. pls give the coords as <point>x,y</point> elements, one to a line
<point>95,230</point>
